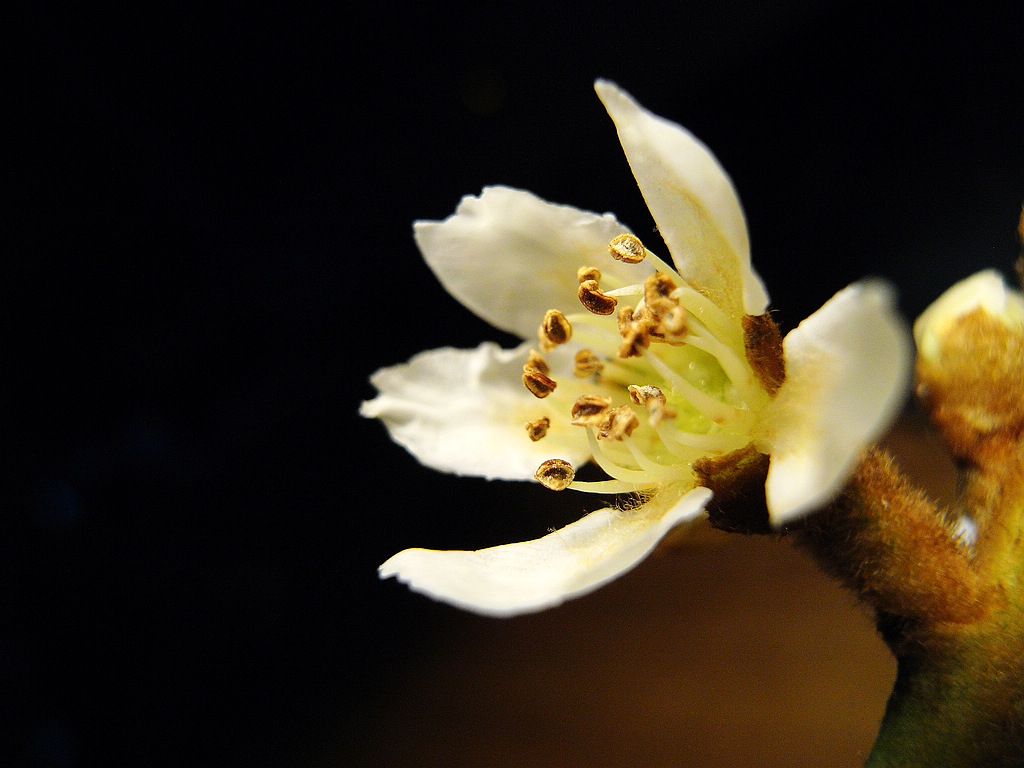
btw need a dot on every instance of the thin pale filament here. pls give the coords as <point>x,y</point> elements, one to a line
<point>711,407</point>
<point>605,462</point>
<point>608,486</point>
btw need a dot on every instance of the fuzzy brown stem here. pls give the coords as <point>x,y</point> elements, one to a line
<point>888,542</point>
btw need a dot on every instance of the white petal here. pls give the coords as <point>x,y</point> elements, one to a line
<point>847,369</point>
<point>465,411</point>
<point>533,575</point>
<point>985,290</point>
<point>693,202</point>
<point>510,256</point>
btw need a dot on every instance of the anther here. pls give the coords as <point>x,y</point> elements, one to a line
<point>657,291</point>
<point>672,326</point>
<point>627,248</point>
<point>586,363</point>
<point>635,329</point>
<point>594,300</point>
<point>539,384</point>
<point>618,423</point>
<point>588,273</point>
<point>538,429</point>
<point>588,410</point>
<point>642,395</point>
<point>555,474</point>
<point>635,340</point>
<point>653,399</point>
<point>626,318</point>
<point>537,363</point>
<point>554,330</point>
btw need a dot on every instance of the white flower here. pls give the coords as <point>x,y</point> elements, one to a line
<point>645,390</point>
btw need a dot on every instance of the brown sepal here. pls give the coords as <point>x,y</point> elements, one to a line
<point>763,343</point>
<point>737,482</point>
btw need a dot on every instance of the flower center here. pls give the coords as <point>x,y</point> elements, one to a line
<point>671,380</point>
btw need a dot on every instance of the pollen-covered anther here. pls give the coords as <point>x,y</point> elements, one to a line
<point>594,300</point>
<point>618,423</point>
<point>588,273</point>
<point>586,363</point>
<point>627,248</point>
<point>555,474</point>
<point>555,329</point>
<point>635,327</point>
<point>672,326</point>
<point>538,429</point>
<point>625,318</point>
<point>653,399</point>
<point>539,385</point>
<point>589,410</point>
<point>634,341</point>
<point>644,394</point>
<point>537,363</point>
<point>658,293</point>
<point>535,376</point>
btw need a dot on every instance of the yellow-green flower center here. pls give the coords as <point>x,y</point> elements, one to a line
<point>671,378</point>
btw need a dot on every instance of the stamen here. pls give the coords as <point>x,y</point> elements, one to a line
<point>537,363</point>
<point>625,318</point>
<point>554,330</point>
<point>595,332</point>
<point>635,289</point>
<point>637,339</point>
<point>672,326</point>
<point>555,474</point>
<point>618,423</point>
<point>664,471</point>
<point>671,435</point>
<point>613,468</point>
<point>644,394</point>
<point>696,303</point>
<point>653,399</point>
<point>657,291</point>
<point>608,486</point>
<point>586,363</point>
<point>588,273</point>
<point>709,313</point>
<point>594,300</point>
<point>660,264</point>
<point>588,410</point>
<point>538,429</point>
<point>634,325</point>
<point>627,248</point>
<point>539,384</point>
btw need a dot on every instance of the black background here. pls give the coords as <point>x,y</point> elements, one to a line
<point>208,250</point>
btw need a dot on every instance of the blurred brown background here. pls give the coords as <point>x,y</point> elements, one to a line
<point>717,651</point>
<point>733,654</point>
